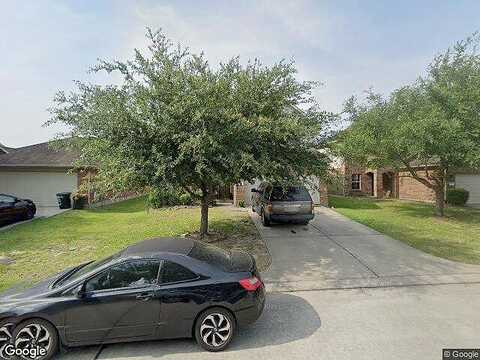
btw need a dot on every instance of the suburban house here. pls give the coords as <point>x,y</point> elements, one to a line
<point>388,183</point>
<point>38,172</point>
<point>242,193</point>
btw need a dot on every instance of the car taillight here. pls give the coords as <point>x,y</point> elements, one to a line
<point>250,284</point>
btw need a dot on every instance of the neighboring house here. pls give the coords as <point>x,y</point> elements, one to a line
<point>38,172</point>
<point>387,183</point>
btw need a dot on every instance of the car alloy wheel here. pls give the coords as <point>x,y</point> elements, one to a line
<point>215,329</point>
<point>36,333</point>
<point>6,331</point>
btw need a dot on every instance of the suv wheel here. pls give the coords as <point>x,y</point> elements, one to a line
<point>214,329</point>
<point>265,220</point>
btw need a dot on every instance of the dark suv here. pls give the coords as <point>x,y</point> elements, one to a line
<point>282,204</point>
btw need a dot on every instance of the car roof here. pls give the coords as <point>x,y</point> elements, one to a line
<point>176,245</point>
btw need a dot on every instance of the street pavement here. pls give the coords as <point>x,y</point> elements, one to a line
<point>404,323</point>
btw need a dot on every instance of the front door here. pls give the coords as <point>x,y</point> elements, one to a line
<point>119,303</point>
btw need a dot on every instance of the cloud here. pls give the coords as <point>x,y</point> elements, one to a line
<point>348,45</point>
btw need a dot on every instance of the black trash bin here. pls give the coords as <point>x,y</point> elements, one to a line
<point>64,201</point>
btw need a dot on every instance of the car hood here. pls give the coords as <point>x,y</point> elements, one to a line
<point>21,293</point>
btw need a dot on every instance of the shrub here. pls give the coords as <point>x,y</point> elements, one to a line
<point>241,203</point>
<point>162,197</point>
<point>457,196</point>
<point>185,199</point>
<point>158,198</point>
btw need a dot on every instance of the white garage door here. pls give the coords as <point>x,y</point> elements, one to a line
<point>471,183</point>
<point>41,187</point>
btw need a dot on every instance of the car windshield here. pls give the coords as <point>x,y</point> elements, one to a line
<point>292,193</point>
<point>85,269</point>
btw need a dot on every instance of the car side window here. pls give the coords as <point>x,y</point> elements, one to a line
<point>6,199</point>
<point>172,272</point>
<point>134,273</point>
<point>266,193</point>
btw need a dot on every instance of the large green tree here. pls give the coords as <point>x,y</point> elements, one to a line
<point>429,128</point>
<point>174,120</point>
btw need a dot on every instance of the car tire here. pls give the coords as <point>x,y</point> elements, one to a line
<point>265,220</point>
<point>6,333</point>
<point>44,335</point>
<point>214,329</point>
<point>29,214</point>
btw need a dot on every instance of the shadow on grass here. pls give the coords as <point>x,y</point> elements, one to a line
<point>238,226</point>
<point>127,206</point>
<point>353,203</point>
<point>427,211</point>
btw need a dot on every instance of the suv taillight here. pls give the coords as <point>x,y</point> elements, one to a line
<point>250,284</point>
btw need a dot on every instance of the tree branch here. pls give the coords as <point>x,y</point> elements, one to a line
<point>414,174</point>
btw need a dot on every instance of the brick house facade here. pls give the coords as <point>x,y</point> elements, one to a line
<point>383,183</point>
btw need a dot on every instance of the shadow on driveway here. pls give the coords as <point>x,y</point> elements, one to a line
<point>286,318</point>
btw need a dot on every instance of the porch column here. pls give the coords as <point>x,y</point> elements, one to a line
<point>378,184</point>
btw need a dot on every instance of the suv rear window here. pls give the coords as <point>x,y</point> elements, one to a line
<point>292,193</point>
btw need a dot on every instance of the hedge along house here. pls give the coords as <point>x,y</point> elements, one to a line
<point>389,183</point>
<point>38,172</point>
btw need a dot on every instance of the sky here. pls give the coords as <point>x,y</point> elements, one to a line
<point>348,46</point>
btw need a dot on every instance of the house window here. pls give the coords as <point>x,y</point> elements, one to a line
<point>451,182</point>
<point>356,181</point>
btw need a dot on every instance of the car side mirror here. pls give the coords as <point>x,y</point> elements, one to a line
<point>79,291</point>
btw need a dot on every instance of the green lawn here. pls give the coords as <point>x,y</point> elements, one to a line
<point>46,246</point>
<point>455,237</point>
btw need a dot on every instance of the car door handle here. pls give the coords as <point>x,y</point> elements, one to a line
<point>144,296</point>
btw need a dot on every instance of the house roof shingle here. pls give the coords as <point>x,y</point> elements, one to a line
<point>38,155</point>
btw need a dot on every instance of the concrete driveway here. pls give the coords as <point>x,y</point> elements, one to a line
<point>334,252</point>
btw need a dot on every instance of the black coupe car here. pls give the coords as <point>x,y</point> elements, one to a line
<point>156,289</point>
<point>14,209</point>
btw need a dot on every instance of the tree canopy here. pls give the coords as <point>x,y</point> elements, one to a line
<point>428,128</point>
<point>174,120</point>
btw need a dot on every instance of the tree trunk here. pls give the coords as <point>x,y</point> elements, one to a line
<point>204,216</point>
<point>439,201</point>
